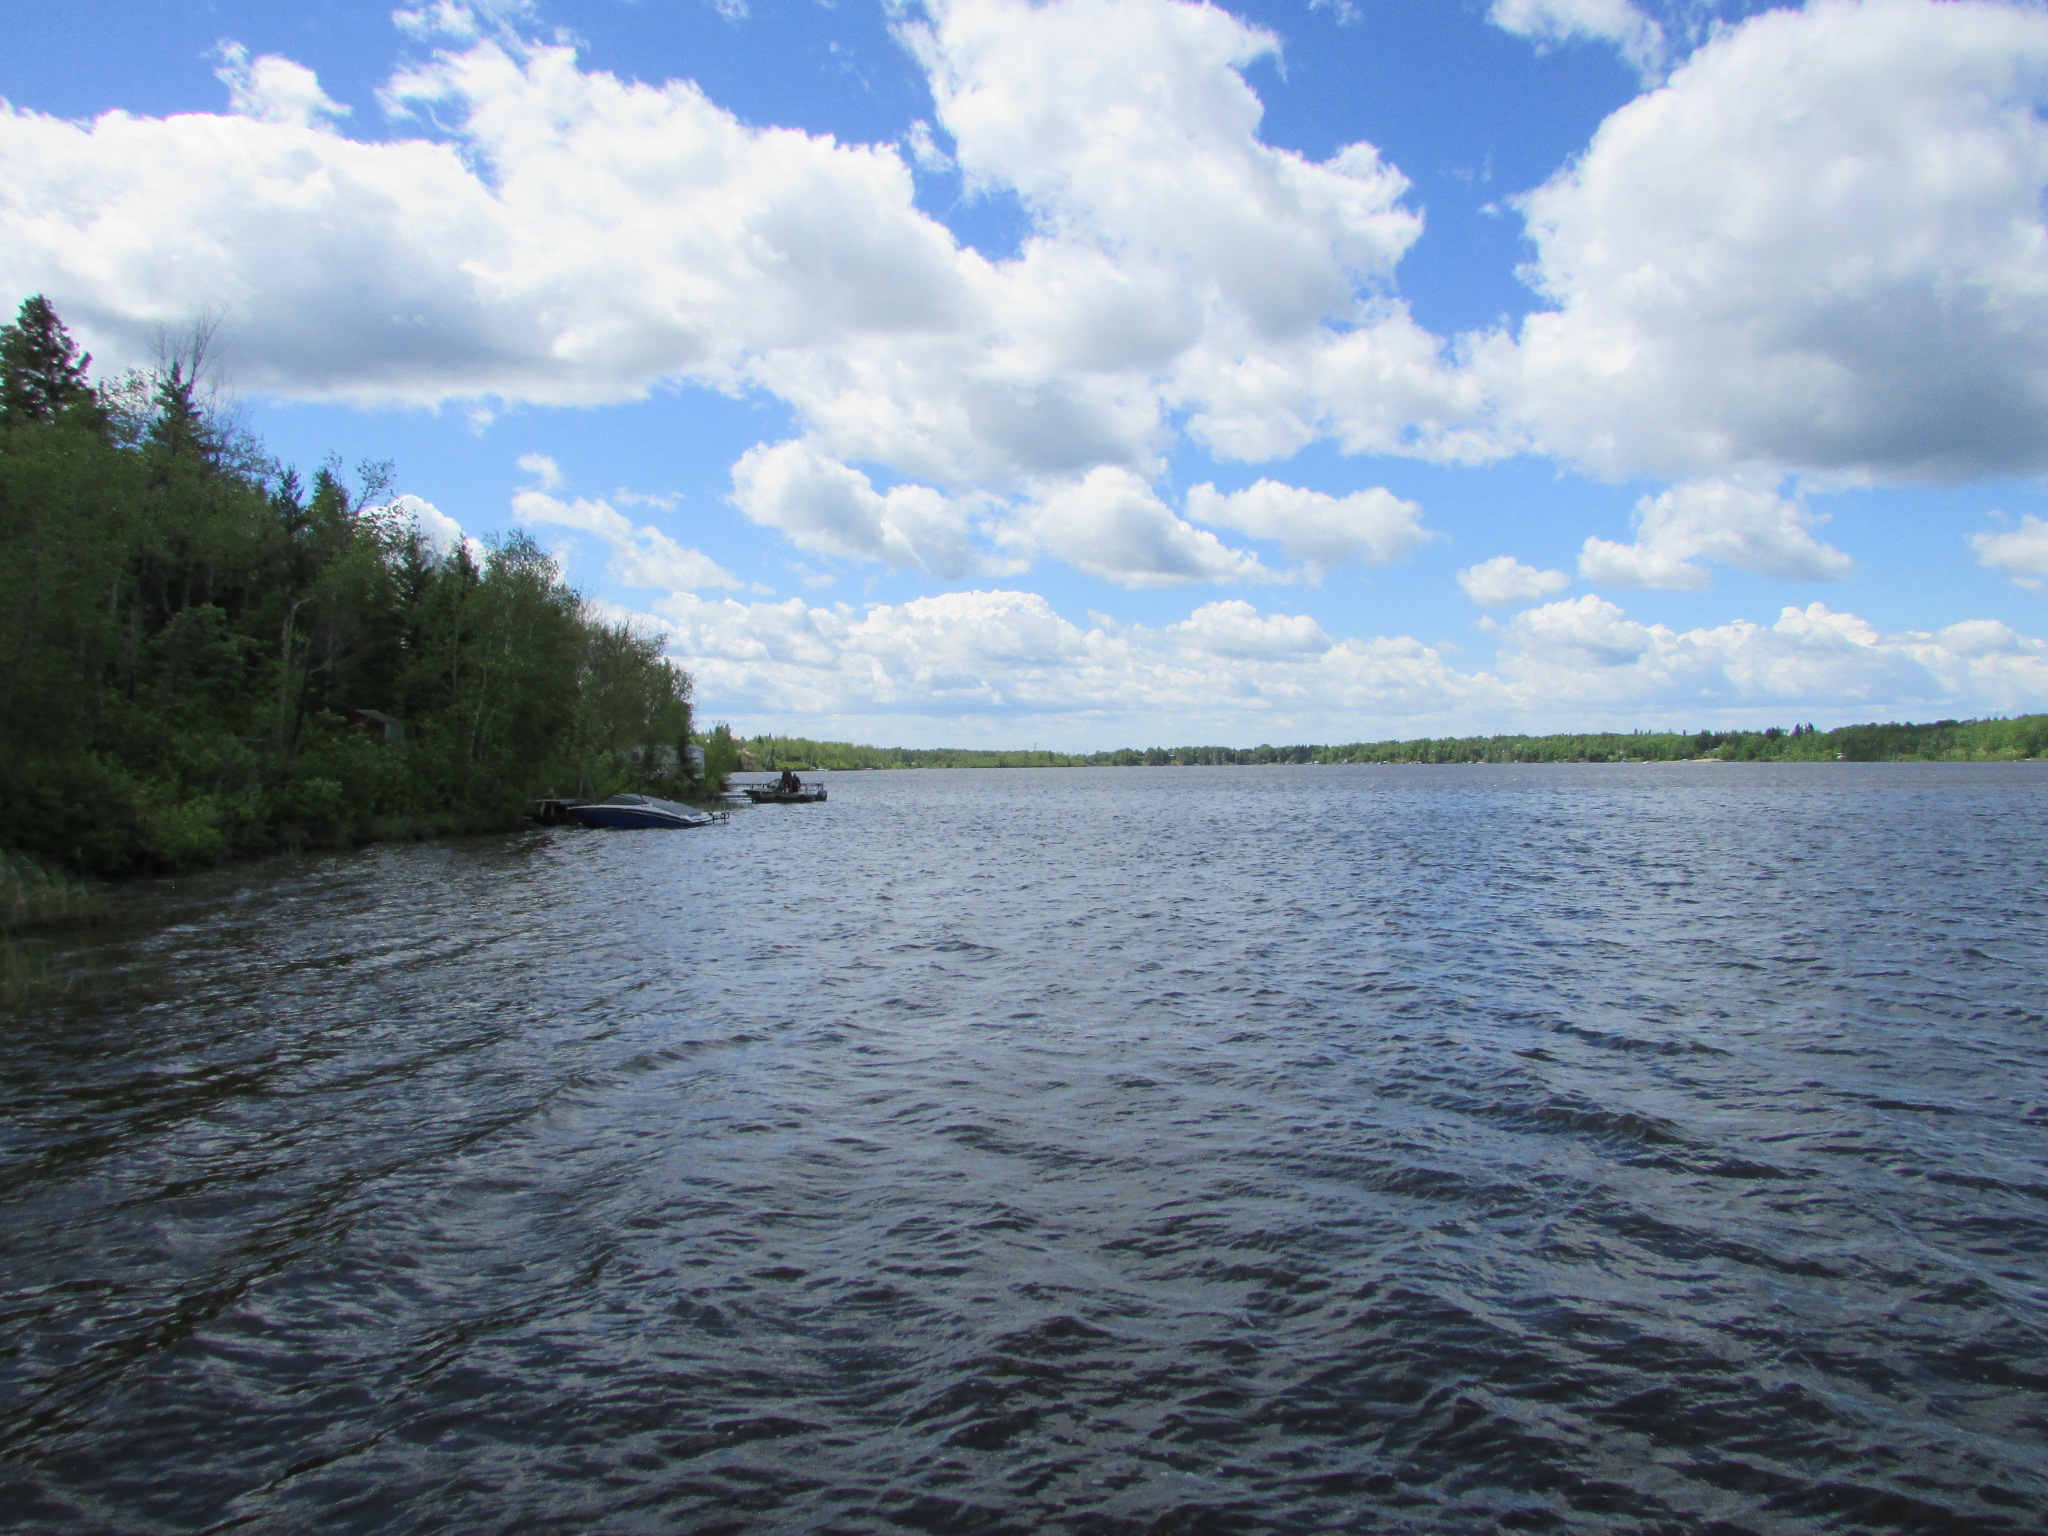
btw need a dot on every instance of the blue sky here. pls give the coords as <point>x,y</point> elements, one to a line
<point>1126,371</point>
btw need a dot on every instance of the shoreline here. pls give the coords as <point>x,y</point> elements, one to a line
<point>38,892</point>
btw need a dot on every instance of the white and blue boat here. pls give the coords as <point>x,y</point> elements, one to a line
<point>633,811</point>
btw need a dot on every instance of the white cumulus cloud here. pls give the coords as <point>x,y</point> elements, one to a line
<point>558,234</point>
<point>1111,524</point>
<point>831,508</point>
<point>1236,628</point>
<point>573,237</point>
<point>1819,248</point>
<point>545,471</point>
<point>1747,527</point>
<point>1821,245</point>
<point>2022,552</point>
<point>985,665</point>
<point>443,533</point>
<point>997,666</point>
<point>1504,581</point>
<point>642,557</point>
<point>273,89</point>
<point>1374,527</point>
<point>1589,655</point>
<point>1637,37</point>
<point>1128,125</point>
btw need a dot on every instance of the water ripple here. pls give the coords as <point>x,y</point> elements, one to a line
<point>1623,1149</point>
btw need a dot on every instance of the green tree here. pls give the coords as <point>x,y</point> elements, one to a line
<point>202,655</point>
<point>42,375</point>
<point>722,758</point>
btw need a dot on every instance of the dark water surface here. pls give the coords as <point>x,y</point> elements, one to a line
<point>1630,1149</point>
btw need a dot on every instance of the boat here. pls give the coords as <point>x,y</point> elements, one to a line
<point>772,793</point>
<point>634,811</point>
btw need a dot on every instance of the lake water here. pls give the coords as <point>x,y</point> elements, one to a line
<point>1608,1149</point>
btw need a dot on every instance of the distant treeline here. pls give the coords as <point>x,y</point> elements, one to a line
<point>1942,741</point>
<point>203,656</point>
<point>774,752</point>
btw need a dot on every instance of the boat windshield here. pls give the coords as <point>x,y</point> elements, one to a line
<point>627,800</point>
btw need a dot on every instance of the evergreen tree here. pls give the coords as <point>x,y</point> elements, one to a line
<point>42,375</point>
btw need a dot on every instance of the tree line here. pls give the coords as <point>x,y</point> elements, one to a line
<point>1998,740</point>
<point>204,655</point>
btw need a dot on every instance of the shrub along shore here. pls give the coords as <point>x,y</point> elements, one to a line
<point>203,656</point>
<point>1943,741</point>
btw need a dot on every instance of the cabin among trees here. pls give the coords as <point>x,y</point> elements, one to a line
<point>203,655</point>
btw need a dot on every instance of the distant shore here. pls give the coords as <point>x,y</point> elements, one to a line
<point>2017,739</point>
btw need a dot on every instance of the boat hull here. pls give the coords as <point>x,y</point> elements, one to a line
<point>638,818</point>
